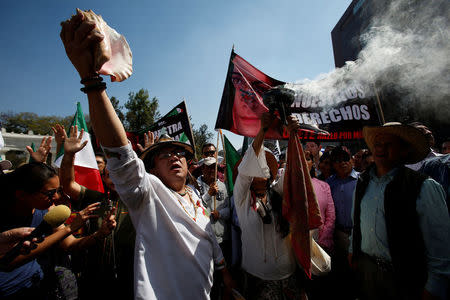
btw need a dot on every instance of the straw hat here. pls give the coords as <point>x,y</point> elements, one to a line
<point>418,144</point>
<point>164,141</point>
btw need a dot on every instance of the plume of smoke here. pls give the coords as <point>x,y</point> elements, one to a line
<point>407,48</point>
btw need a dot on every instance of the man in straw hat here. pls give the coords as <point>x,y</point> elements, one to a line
<point>401,231</point>
<point>175,249</point>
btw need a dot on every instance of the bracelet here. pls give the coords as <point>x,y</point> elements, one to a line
<point>98,86</point>
<point>95,78</point>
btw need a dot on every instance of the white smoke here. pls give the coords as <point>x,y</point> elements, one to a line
<point>407,49</point>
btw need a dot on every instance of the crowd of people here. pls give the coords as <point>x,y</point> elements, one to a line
<point>166,226</point>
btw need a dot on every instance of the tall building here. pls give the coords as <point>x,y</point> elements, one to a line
<point>347,38</point>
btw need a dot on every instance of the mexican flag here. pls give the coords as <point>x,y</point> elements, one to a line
<point>231,158</point>
<point>86,169</point>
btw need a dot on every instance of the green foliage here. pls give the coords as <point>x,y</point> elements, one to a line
<point>201,137</point>
<point>142,112</point>
<point>25,121</point>
<point>118,108</point>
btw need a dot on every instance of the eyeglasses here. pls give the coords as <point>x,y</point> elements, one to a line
<point>341,159</point>
<point>209,153</point>
<point>51,193</point>
<point>165,155</point>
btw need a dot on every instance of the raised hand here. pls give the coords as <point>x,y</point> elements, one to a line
<point>59,132</point>
<point>78,36</point>
<point>83,216</point>
<point>149,139</point>
<point>40,155</point>
<point>267,120</point>
<point>293,124</point>
<point>74,143</point>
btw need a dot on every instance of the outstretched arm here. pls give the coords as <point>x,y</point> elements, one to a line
<point>72,145</point>
<point>72,243</point>
<point>78,36</point>
<point>266,120</point>
<point>59,131</point>
<point>60,234</point>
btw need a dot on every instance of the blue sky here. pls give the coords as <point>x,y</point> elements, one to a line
<point>180,50</point>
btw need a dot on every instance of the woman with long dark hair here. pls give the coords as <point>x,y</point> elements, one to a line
<point>29,193</point>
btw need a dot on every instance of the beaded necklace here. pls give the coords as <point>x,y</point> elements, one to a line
<point>188,191</point>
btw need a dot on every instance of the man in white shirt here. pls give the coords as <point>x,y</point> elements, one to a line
<point>175,250</point>
<point>267,255</point>
<point>215,197</point>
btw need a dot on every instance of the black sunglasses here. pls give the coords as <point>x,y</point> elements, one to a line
<point>209,153</point>
<point>341,159</point>
<point>51,193</point>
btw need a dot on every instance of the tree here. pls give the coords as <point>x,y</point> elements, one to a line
<point>118,108</point>
<point>201,137</point>
<point>25,121</point>
<point>142,112</point>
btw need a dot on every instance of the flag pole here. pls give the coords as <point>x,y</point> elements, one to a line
<point>379,104</point>
<point>224,152</point>
<point>217,162</point>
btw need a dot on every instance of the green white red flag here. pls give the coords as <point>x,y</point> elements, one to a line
<point>85,166</point>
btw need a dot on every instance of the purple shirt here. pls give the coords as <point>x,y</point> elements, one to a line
<point>342,191</point>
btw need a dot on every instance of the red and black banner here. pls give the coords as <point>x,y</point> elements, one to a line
<point>341,112</point>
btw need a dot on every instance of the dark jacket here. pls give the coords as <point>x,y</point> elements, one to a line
<point>406,245</point>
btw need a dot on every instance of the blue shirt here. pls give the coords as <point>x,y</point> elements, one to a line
<point>26,275</point>
<point>342,191</point>
<point>438,168</point>
<point>434,223</point>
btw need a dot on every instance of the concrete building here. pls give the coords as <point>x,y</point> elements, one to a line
<point>14,148</point>
<point>347,39</point>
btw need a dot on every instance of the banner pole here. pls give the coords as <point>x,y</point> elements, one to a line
<point>224,153</point>
<point>379,104</point>
<point>217,162</point>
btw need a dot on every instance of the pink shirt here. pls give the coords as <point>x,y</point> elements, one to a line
<point>326,206</point>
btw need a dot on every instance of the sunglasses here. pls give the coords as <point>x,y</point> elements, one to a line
<point>209,153</point>
<point>165,155</point>
<point>341,159</point>
<point>51,193</point>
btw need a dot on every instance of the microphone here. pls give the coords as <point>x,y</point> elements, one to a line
<point>55,217</point>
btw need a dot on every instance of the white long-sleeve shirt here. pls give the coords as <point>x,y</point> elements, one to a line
<point>220,226</point>
<point>174,255</point>
<point>264,253</point>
